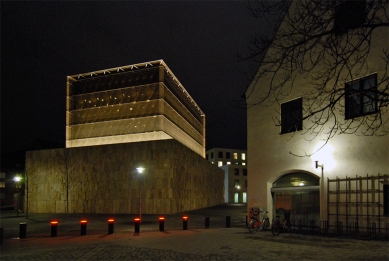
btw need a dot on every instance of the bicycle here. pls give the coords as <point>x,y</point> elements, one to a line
<point>256,224</point>
<point>276,225</point>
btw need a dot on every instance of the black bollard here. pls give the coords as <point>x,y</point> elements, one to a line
<point>83,227</point>
<point>23,230</point>
<point>54,225</point>
<point>206,222</point>
<point>111,223</point>
<point>137,225</point>
<point>185,223</point>
<point>228,221</point>
<point>161,224</point>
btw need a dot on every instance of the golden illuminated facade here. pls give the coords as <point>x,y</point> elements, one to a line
<point>140,102</point>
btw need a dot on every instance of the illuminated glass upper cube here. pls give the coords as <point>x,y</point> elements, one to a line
<point>133,103</point>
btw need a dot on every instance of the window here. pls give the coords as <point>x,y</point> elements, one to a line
<point>236,172</point>
<point>220,154</point>
<point>211,155</point>
<point>361,97</point>
<point>228,162</point>
<point>236,183</point>
<point>235,155</point>
<point>243,156</point>
<point>243,164</point>
<point>228,155</point>
<point>349,15</point>
<point>207,156</point>
<point>244,172</point>
<point>220,163</point>
<point>291,116</point>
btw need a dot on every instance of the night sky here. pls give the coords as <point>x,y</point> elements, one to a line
<point>43,42</point>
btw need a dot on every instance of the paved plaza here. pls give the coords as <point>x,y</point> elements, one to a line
<point>174,243</point>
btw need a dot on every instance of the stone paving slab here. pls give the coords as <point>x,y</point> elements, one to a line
<point>198,244</point>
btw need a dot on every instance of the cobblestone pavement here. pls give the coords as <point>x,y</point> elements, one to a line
<point>196,243</point>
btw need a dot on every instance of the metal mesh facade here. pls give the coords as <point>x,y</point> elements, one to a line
<point>134,103</point>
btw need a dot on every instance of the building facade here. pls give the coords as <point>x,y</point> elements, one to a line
<point>133,103</point>
<point>234,164</point>
<point>318,177</point>
<point>104,179</point>
<point>118,121</point>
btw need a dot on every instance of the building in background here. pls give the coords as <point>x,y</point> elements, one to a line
<point>139,102</point>
<point>234,164</point>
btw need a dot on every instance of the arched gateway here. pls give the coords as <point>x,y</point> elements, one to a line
<point>297,193</point>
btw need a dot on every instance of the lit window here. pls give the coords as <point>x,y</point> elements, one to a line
<point>291,116</point>
<point>235,155</point>
<point>361,97</point>
<point>243,156</point>
<point>2,184</point>
<point>228,162</point>
<point>220,163</point>
<point>243,163</point>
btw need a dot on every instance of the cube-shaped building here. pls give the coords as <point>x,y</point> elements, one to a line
<point>140,102</point>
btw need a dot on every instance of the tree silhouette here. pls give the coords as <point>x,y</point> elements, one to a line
<point>329,43</point>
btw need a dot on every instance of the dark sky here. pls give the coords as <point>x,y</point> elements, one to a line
<point>43,42</point>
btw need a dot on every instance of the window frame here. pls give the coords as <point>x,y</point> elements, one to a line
<point>287,125</point>
<point>361,94</point>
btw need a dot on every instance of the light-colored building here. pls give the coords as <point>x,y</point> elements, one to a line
<point>139,102</point>
<point>346,180</point>
<point>234,164</point>
<point>117,121</point>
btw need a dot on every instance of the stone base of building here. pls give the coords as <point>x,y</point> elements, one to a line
<point>104,179</point>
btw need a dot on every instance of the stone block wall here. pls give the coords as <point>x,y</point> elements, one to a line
<point>104,179</point>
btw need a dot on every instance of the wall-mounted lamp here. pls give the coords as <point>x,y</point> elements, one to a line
<point>317,165</point>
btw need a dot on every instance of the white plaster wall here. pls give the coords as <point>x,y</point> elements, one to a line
<point>269,152</point>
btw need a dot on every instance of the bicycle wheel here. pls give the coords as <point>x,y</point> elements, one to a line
<point>275,229</point>
<point>266,224</point>
<point>252,227</point>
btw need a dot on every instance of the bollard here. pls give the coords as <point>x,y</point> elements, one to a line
<point>111,223</point>
<point>83,227</point>
<point>206,222</point>
<point>228,221</point>
<point>23,230</point>
<point>137,225</point>
<point>184,222</point>
<point>54,225</point>
<point>312,226</point>
<point>1,235</point>
<point>161,224</point>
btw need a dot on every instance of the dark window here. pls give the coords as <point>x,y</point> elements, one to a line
<point>244,172</point>
<point>211,155</point>
<point>291,116</point>
<point>236,183</point>
<point>220,154</point>
<point>228,155</point>
<point>349,15</point>
<point>236,172</point>
<point>207,156</point>
<point>361,97</point>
